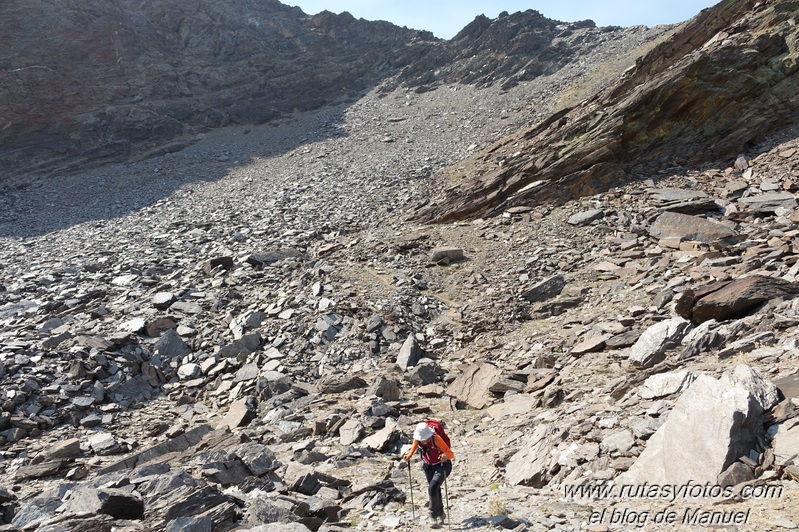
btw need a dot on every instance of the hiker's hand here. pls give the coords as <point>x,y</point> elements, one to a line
<point>406,457</point>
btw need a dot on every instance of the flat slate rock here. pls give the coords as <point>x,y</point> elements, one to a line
<point>581,219</point>
<point>770,202</point>
<point>739,297</point>
<point>687,227</point>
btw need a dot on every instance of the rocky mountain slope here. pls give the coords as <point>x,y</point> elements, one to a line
<point>689,101</point>
<point>237,338</point>
<point>97,81</point>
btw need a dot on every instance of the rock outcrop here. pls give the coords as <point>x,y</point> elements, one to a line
<point>724,80</point>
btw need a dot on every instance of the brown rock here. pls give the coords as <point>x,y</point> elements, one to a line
<point>240,413</point>
<point>590,345</point>
<point>739,297</point>
<point>225,263</point>
<point>472,387</point>
<point>45,469</point>
<point>673,225</point>
<point>64,449</point>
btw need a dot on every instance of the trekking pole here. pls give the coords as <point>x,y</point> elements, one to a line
<point>446,496</point>
<point>410,487</point>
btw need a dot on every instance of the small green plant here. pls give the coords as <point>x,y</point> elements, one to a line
<point>496,506</point>
<point>355,519</point>
<point>494,487</point>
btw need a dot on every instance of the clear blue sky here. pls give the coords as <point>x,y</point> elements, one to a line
<point>445,18</point>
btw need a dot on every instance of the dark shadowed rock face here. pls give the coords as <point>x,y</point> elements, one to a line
<point>93,81</point>
<point>107,80</point>
<point>724,81</point>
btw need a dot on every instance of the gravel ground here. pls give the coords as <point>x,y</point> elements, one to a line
<point>349,175</point>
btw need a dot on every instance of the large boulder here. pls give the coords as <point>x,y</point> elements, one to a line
<point>734,299</point>
<point>713,423</point>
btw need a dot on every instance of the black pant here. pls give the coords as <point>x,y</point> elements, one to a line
<point>435,477</point>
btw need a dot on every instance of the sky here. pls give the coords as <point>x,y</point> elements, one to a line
<point>445,18</point>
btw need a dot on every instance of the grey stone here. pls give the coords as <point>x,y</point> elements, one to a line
<point>586,217</point>
<point>769,203</point>
<point>577,454</point>
<point>712,424</point>
<point>190,524</point>
<point>374,322</point>
<point>686,227</point>
<point>786,442</point>
<point>618,442</point>
<point>409,354</point>
<point>423,373</point>
<point>186,307</point>
<point>162,300</point>
<point>135,325</point>
<point>764,392</point>
<point>170,345</point>
<point>41,470</point>
<point>532,464</point>
<point>92,420</point>
<point>664,384</point>
<point>280,527</point>
<point>666,195</point>
<point>42,507</point>
<point>643,428</point>
<point>83,402</point>
<point>103,443</point>
<point>350,432</point>
<point>446,254</point>
<point>382,439</point>
<point>657,340</point>
<point>244,346</point>
<point>258,458</point>
<point>337,383</point>
<point>190,371</point>
<point>247,373</point>
<point>736,474</point>
<point>386,389</point>
<point>114,502</point>
<point>544,290</point>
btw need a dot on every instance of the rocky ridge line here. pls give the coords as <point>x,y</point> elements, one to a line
<point>172,72</point>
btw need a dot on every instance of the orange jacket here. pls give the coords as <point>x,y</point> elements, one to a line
<point>442,446</point>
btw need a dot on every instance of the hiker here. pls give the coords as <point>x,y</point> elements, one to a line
<point>436,464</point>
